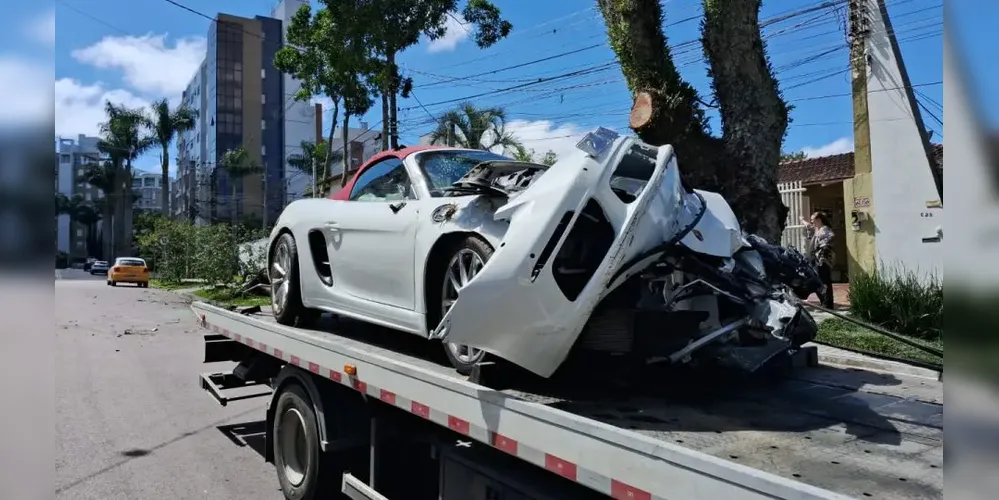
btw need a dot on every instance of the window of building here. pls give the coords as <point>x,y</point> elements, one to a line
<point>64,158</point>
<point>79,232</point>
<point>263,150</point>
<point>263,74</point>
<point>263,99</point>
<point>263,125</point>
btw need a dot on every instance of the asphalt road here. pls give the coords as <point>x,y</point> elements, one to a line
<point>131,421</point>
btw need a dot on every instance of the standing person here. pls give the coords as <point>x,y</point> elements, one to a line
<point>820,239</point>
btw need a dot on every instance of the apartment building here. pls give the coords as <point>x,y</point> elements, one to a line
<point>72,156</point>
<point>148,189</point>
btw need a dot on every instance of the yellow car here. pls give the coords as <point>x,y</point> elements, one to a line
<point>129,270</point>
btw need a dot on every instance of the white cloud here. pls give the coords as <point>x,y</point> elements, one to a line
<point>544,135</point>
<point>839,146</point>
<point>24,98</point>
<point>148,63</point>
<point>42,29</point>
<point>79,108</point>
<point>456,32</point>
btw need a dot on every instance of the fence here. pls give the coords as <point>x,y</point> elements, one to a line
<point>792,194</point>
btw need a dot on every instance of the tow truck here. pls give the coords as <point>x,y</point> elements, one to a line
<point>357,412</point>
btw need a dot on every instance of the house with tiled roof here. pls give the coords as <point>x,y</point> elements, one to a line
<point>821,182</point>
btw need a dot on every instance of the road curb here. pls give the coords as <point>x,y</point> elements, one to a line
<point>832,356</point>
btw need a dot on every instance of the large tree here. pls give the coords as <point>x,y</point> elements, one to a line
<point>123,138</point>
<point>399,26</point>
<point>238,165</point>
<point>742,163</point>
<point>101,175</point>
<point>166,123</point>
<point>475,128</point>
<point>314,154</point>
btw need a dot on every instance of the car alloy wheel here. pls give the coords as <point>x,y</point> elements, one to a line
<point>460,270</point>
<point>280,283</point>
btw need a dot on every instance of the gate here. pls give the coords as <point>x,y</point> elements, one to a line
<point>792,194</point>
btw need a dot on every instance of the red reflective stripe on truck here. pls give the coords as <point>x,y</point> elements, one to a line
<point>616,489</point>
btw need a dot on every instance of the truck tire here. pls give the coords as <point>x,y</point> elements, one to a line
<point>471,248</point>
<point>297,456</point>
<point>287,306</point>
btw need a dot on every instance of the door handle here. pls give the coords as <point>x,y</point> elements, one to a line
<point>397,206</point>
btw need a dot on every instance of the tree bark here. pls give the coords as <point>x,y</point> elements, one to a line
<point>165,191</point>
<point>107,214</point>
<point>328,161</point>
<point>754,115</point>
<point>742,164</point>
<point>393,108</point>
<point>666,109</point>
<point>385,118</point>
<point>345,136</point>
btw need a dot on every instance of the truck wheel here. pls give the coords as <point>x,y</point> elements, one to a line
<point>448,275</point>
<point>296,447</point>
<point>286,291</point>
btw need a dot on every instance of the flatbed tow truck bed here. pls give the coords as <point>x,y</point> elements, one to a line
<point>818,432</point>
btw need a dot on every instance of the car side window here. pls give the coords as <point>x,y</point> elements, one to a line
<point>386,180</point>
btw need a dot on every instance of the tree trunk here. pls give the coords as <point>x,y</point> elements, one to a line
<point>232,201</point>
<point>345,136</point>
<point>328,162</point>
<point>165,191</point>
<point>119,212</point>
<point>385,118</point>
<point>754,116</point>
<point>393,108</point>
<point>107,214</point>
<point>129,212</point>
<point>666,108</point>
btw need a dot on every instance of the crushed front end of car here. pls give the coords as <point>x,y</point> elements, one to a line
<point>608,250</point>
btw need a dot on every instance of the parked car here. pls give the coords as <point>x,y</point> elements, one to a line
<point>606,247</point>
<point>98,267</point>
<point>129,270</point>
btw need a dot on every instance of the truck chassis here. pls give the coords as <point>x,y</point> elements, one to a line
<point>349,416</point>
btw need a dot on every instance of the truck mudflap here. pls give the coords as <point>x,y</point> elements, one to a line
<point>515,308</point>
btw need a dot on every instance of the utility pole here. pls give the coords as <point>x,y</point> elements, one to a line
<point>858,192</point>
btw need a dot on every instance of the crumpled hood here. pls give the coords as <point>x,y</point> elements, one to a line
<point>515,307</point>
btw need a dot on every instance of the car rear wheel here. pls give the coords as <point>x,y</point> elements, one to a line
<point>286,291</point>
<point>452,273</point>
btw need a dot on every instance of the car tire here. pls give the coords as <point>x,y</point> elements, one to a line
<point>291,311</point>
<point>113,283</point>
<point>296,439</point>
<point>436,273</point>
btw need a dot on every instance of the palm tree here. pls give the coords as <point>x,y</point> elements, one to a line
<point>237,164</point>
<point>475,128</point>
<point>314,154</point>
<point>123,140</point>
<point>166,123</point>
<point>101,176</point>
<point>89,215</point>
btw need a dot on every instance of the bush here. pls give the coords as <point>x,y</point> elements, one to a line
<point>900,301</point>
<point>181,250</point>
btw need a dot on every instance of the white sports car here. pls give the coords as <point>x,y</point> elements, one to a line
<point>606,249</point>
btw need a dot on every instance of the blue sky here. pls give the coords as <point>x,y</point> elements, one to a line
<point>94,60</point>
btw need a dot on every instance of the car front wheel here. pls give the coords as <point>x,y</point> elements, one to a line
<point>459,266</point>
<point>286,291</point>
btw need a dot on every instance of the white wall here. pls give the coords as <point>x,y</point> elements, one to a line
<point>902,179</point>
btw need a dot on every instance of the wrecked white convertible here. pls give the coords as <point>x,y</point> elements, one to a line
<point>606,251</point>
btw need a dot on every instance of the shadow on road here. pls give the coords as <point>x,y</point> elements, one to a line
<point>246,434</point>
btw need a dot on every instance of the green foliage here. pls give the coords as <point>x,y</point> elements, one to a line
<point>795,156</point>
<point>180,250</point>
<point>900,301</point>
<point>521,153</point>
<point>165,124</point>
<point>476,128</point>
<point>843,334</point>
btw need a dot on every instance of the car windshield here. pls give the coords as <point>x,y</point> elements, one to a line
<point>131,262</point>
<point>445,167</point>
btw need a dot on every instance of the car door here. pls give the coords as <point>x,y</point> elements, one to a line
<point>372,239</point>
